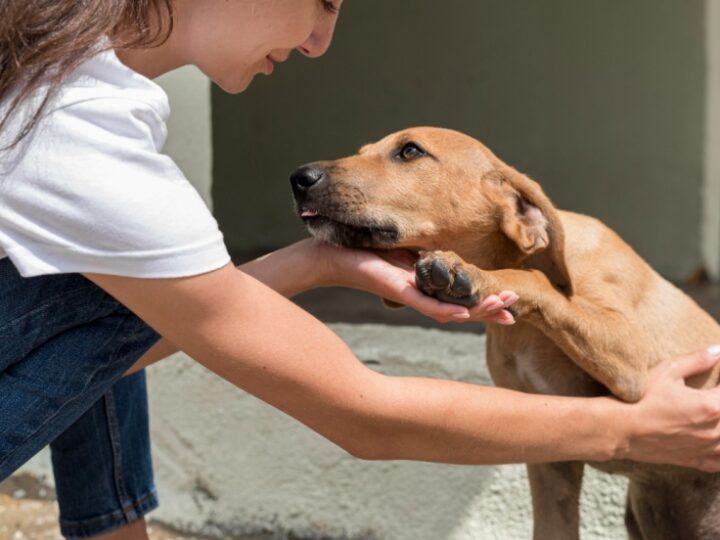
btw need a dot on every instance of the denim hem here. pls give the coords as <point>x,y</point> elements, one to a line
<point>101,524</point>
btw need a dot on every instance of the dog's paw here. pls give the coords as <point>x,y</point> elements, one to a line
<point>441,274</point>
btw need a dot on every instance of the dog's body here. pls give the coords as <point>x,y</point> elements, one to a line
<point>663,502</point>
<point>592,316</point>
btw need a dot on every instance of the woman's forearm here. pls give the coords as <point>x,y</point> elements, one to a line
<point>297,364</point>
<point>288,271</point>
<point>292,269</point>
<point>514,426</point>
<point>452,422</point>
<point>309,264</point>
<point>257,340</point>
<point>292,361</point>
<point>162,349</point>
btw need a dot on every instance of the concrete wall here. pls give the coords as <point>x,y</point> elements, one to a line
<point>711,191</point>
<point>189,139</point>
<point>602,102</point>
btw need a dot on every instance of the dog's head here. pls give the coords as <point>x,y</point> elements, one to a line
<point>431,188</point>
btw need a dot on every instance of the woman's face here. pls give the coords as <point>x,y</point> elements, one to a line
<point>231,41</point>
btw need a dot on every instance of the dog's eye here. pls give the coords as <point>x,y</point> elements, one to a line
<point>410,151</point>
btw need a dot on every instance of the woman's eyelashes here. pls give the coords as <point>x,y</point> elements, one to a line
<point>329,6</point>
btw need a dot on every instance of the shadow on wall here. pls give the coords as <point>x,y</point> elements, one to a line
<point>602,102</point>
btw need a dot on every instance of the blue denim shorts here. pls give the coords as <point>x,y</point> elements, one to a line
<point>64,346</point>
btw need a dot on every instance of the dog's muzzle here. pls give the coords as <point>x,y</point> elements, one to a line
<point>326,215</point>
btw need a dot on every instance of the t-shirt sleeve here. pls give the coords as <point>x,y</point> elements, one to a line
<point>90,191</point>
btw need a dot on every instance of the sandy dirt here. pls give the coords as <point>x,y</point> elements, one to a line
<point>28,512</point>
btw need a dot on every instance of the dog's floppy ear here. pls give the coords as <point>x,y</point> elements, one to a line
<point>529,219</point>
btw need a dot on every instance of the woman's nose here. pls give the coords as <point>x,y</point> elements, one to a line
<point>319,40</point>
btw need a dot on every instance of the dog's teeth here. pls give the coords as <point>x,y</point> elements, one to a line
<point>309,213</point>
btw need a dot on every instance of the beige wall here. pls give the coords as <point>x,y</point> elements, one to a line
<point>189,139</point>
<point>711,191</point>
<point>602,102</point>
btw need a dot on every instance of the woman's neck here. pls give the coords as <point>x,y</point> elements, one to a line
<point>155,60</point>
<point>150,62</point>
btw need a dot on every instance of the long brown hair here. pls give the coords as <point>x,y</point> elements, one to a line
<point>43,41</point>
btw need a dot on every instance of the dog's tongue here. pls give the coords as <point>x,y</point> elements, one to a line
<point>309,213</point>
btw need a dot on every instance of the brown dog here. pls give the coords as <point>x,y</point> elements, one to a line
<point>592,317</point>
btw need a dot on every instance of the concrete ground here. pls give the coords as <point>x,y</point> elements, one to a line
<point>27,506</point>
<point>28,511</point>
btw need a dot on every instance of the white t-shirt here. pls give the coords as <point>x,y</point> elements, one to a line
<point>89,191</point>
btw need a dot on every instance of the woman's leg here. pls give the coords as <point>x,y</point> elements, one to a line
<point>102,464</point>
<point>64,344</point>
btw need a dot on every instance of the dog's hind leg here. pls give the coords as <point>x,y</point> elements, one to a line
<point>682,505</point>
<point>555,489</point>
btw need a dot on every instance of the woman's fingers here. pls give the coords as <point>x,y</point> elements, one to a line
<point>693,364</point>
<point>710,465</point>
<point>492,309</point>
<point>490,304</point>
<point>409,295</point>
<point>393,277</point>
<point>503,317</point>
<point>508,298</point>
<point>677,424</point>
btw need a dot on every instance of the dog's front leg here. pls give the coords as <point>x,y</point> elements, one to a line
<point>600,339</point>
<point>555,489</point>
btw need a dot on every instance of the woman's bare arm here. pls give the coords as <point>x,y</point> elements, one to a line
<point>264,344</point>
<point>286,271</point>
<point>309,264</point>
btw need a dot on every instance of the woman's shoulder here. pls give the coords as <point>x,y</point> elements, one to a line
<point>105,77</point>
<point>101,96</point>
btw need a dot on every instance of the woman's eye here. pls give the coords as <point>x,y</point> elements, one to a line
<point>329,6</point>
<point>410,151</point>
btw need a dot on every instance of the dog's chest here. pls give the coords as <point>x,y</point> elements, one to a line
<point>523,358</point>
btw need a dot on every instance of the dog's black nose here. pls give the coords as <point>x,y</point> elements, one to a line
<point>306,177</point>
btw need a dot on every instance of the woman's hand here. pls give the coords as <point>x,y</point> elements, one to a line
<point>391,275</point>
<point>674,423</point>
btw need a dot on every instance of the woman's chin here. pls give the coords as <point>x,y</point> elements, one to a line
<point>237,85</point>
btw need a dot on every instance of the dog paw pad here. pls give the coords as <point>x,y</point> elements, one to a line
<point>444,280</point>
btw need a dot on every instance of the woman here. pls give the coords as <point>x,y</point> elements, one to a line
<point>108,247</point>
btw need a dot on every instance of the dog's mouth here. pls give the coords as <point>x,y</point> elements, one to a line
<point>350,231</point>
